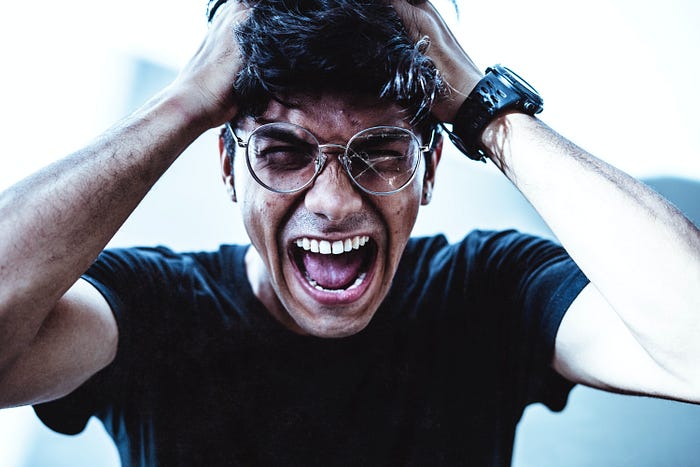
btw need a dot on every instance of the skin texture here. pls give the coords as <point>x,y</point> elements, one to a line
<point>331,208</point>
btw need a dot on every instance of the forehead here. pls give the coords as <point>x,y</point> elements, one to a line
<point>331,117</point>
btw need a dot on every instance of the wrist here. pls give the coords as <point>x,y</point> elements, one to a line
<point>171,117</point>
<point>497,139</point>
<point>194,109</point>
<point>499,92</point>
<point>458,91</point>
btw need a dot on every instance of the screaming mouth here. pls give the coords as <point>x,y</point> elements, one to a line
<point>335,266</point>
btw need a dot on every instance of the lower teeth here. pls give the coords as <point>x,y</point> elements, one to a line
<point>354,285</point>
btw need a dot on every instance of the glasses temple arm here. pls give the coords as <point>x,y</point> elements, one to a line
<point>429,146</point>
<point>238,139</point>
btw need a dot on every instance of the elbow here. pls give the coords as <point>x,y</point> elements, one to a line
<point>13,346</point>
<point>6,392</point>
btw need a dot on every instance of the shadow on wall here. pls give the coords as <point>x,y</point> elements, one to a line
<point>603,429</point>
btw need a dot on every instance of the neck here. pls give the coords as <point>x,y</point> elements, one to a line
<point>261,284</point>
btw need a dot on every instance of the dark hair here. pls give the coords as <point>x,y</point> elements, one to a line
<point>346,46</point>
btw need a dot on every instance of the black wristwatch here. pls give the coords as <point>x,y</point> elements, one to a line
<point>498,92</point>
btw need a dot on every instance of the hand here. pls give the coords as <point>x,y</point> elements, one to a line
<point>421,19</point>
<point>206,82</point>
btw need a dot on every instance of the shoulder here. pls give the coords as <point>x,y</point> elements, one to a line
<point>433,265</point>
<point>477,245</point>
<point>162,262</point>
<point>502,264</point>
<point>147,287</point>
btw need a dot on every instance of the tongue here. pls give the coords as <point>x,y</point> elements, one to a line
<point>333,271</point>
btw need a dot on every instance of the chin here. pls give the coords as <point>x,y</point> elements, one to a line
<point>331,326</point>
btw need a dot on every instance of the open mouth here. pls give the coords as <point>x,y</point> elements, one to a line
<point>339,268</point>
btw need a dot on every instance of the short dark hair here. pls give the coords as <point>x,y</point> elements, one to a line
<point>345,46</point>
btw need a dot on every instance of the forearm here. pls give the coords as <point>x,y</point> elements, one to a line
<point>639,251</point>
<point>54,223</point>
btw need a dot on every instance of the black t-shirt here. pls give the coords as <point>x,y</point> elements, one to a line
<point>205,376</point>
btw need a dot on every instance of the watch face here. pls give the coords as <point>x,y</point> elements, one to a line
<point>519,80</point>
<point>532,102</point>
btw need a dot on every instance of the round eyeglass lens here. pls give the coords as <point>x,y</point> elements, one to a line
<point>383,159</point>
<point>282,156</point>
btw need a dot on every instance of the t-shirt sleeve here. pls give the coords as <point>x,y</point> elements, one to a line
<point>531,282</point>
<point>140,285</point>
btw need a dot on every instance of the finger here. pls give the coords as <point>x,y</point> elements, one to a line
<point>212,8</point>
<point>222,8</point>
<point>458,71</point>
<point>419,17</point>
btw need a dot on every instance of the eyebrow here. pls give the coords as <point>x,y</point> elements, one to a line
<point>262,120</point>
<point>288,137</point>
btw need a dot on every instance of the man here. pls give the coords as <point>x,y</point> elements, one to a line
<point>336,339</point>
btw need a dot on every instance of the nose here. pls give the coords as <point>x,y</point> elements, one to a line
<point>333,195</point>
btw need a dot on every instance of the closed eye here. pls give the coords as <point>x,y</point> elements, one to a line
<point>283,157</point>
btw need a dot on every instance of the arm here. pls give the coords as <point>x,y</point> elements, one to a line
<point>55,223</point>
<point>635,328</point>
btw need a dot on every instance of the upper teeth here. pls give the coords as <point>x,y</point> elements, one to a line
<point>337,247</point>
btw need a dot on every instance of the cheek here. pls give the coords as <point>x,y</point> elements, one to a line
<point>257,214</point>
<point>405,219</point>
<point>255,203</point>
<point>401,215</point>
<point>264,214</point>
<point>260,217</point>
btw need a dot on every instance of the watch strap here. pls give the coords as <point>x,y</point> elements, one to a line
<point>495,94</point>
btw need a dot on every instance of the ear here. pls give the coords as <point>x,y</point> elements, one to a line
<point>432,161</point>
<point>226,167</point>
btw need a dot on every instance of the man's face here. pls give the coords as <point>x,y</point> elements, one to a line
<point>322,293</point>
